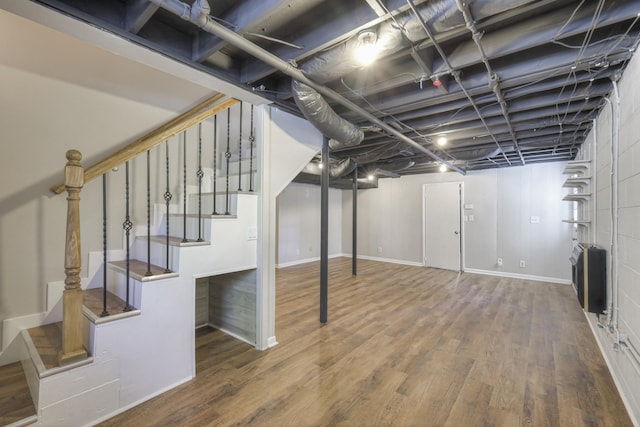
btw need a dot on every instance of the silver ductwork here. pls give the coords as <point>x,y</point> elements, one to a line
<point>393,166</point>
<point>340,60</point>
<point>198,13</point>
<point>314,107</point>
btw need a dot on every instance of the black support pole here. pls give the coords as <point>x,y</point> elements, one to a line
<point>324,232</point>
<point>354,226</point>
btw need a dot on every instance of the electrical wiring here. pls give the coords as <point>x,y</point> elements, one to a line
<point>585,43</point>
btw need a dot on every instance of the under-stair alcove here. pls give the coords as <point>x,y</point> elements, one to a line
<point>227,302</point>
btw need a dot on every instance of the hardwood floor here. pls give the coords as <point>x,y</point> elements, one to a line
<point>15,400</point>
<point>404,346</point>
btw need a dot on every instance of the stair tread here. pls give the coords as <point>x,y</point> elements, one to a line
<point>47,340</point>
<point>15,398</point>
<point>44,343</point>
<point>231,192</point>
<point>92,301</point>
<point>138,270</point>
<point>174,241</point>
<point>207,216</point>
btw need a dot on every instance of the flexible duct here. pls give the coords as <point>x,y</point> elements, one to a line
<point>337,169</point>
<point>393,166</point>
<point>198,15</point>
<point>321,115</point>
<point>342,168</point>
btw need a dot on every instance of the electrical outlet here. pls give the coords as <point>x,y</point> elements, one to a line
<point>499,263</point>
<point>522,264</point>
<point>535,220</point>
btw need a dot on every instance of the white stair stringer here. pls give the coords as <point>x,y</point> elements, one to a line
<point>136,358</point>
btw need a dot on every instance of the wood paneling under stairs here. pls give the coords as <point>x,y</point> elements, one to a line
<point>15,399</point>
<point>404,346</point>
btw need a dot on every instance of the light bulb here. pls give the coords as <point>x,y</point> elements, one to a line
<point>370,177</point>
<point>442,141</point>
<point>443,168</point>
<point>366,51</point>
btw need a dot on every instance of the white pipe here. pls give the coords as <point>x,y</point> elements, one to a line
<point>594,174</point>
<point>615,195</point>
<point>198,15</point>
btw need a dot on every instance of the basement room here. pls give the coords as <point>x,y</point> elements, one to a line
<point>313,213</point>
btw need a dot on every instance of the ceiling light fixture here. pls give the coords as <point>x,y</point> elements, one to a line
<point>366,51</point>
<point>442,140</point>
<point>370,177</point>
<point>442,168</point>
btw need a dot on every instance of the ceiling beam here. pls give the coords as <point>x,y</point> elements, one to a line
<point>137,13</point>
<point>337,28</point>
<point>249,15</point>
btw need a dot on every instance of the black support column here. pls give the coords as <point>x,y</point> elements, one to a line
<point>354,225</point>
<point>324,231</point>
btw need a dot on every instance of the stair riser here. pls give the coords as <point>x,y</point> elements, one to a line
<point>158,253</point>
<point>207,204</point>
<point>176,226</point>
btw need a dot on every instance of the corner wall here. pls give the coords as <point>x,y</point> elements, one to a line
<point>299,224</point>
<point>623,268</point>
<point>504,200</point>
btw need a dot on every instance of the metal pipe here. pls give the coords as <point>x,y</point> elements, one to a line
<point>240,152</point>
<point>494,80</point>
<point>455,74</point>
<point>324,231</point>
<point>354,225</point>
<point>211,26</point>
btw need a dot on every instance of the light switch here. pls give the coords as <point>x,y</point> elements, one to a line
<point>535,220</point>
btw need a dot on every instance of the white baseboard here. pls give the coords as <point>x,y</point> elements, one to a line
<point>616,380</point>
<point>271,342</point>
<point>390,260</point>
<point>236,336</point>
<point>11,327</point>
<point>519,276</point>
<point>304,261</point>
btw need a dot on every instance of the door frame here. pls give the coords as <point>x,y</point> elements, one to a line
<point>462,222</point>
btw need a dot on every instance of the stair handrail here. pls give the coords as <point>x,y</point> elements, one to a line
<point>184,121</point>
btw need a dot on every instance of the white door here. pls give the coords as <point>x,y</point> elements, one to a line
<point>443,225</point>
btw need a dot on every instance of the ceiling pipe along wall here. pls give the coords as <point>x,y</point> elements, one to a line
<point>198,14</point>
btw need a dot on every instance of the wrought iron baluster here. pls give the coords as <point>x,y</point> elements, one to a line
<point>200,174</point>
<point>104,246</point>
<point>148,273</point>
<point>240,152</point>
<point>167,199</point>
<point>227,155</point>
<point>184,187</point>
<point>127,225</point>
<point>215,154</point>
<point>252,139</point>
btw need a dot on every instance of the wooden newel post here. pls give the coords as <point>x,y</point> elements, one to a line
<point>72,348</point>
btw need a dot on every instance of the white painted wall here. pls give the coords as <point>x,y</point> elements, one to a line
<point>390,219</point>
<point>288,144</point>
<point>627,265</point>
<point>299,223</point>
<point>61,92</point>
